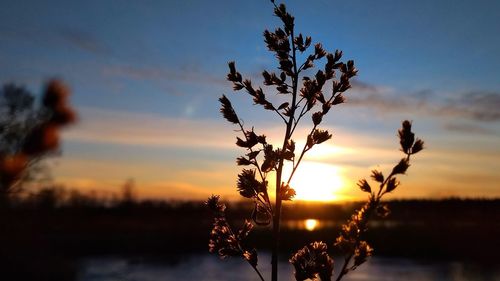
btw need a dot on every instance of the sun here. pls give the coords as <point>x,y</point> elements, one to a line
<point>314,181</point>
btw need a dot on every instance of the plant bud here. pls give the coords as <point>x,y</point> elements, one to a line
<point>391,185</point>
<point>417,146</point>
<point>317,117</point>
<point>364,186</point>
<point>401,167</point>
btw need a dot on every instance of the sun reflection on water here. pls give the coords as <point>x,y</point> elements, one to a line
<point>311,224</point>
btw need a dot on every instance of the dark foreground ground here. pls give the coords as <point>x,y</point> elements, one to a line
<point>45,241</point>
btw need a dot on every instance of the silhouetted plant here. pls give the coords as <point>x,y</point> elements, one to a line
<point>302,95</point>
<point>27,133</point>
<point>350,240</point>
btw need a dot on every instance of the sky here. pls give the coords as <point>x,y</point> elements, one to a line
<point>146,77</point>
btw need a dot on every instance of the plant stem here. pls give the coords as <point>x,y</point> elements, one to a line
<point>258,272</point>
<point>279,171</point>
<point>296,165</point>
<point>241,250</point>
<point>276,225</point>
<point>344,268</point>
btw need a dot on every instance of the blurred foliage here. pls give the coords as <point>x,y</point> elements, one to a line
<point>29,133</point>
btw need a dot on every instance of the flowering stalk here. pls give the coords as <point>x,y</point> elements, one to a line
<point>224,242</point>
<point>350,239</point>
<point>262,158</point>
<point>301,96</point>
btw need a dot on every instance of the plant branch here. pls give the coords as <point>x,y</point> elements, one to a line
<point>344,270</point>
<point>242,251</point>
<point>281,115</point>
<point>258,169</point>
<point>302,113</point>
<point>258,272</point>
<point>304,150</point>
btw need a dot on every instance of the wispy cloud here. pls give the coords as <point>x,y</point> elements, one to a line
<point>469,129</point>
<point>84,41</point>
<point>141,129</point>
<point>99,126</point>
<point>107,126</point>
<point>186,73</point>
<point>361,86</point>
<point>480,106</point>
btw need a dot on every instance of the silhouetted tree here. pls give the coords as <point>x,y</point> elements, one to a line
<point>128,191</point>
<point>49,198</point>
<point>128,196</point>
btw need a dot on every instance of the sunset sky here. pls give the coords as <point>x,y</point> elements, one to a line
<point>146,77</point>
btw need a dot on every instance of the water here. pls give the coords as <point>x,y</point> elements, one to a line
<point>205,267</point>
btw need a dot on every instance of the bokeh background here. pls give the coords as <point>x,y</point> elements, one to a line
<point>150,143</point>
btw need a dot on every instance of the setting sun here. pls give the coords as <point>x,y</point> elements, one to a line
<point>315,181</point>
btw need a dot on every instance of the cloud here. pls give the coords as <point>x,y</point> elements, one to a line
<point>481,106</point>
<point>41,37</point>
<point>469,129</point>
<point>84,41</point>
<point>99,126</point>
<point>361,86</point>
<point>186,73</point>
<point>108,126</point>
<point>140,129</point>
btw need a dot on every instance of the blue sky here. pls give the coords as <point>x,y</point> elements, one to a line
<point>146,76</point>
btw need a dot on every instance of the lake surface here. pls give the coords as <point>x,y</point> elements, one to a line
<point>206,267</point>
